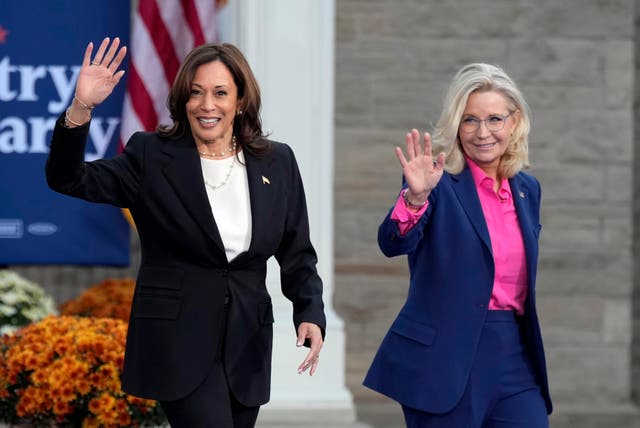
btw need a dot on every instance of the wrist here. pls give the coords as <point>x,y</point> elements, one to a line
<point>76,117</point>
<point>411,201</point>
<point>77,102</point>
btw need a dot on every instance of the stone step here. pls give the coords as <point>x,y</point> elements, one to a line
<point>389,415</point>
<point>626,415</point>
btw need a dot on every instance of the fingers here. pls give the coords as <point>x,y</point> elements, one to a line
<point>415,150</point>
<point>87,55</point>
<point>427,144</point>
<point>111,59</point>
<point>411,149</point>
<point>401,158</point>
<point>302,334</point>
<point>117,77</point>
<point>111,52</point>
<point>311,361</point>
<point>118,60</point>
<point>440,160</point>
<point>100,54</point>
<point>312,332</point>
<point>415,135</point>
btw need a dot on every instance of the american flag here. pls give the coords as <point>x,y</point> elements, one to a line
<point>164,31</point>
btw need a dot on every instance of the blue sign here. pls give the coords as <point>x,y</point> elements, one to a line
<point>42,44</point>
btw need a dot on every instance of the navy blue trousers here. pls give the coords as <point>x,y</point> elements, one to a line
<point>502,391</point>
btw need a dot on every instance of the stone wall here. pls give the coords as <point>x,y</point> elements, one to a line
<point>67,282</point>
<point>574,61</point>
<point>635,344</point>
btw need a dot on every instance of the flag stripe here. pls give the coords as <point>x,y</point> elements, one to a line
<point>141,102</point>
<point>207,14</point>
<point>177,25</point>
<point>161,38</point>
<point>152,74</point>
<point>130,122</point>
<point>191,15</point>
<point>164,31</point>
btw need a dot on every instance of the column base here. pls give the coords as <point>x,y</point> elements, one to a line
<point>312,418</point>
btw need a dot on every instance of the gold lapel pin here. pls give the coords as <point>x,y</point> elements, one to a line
<point>265,180</point>
<point>522,195</point>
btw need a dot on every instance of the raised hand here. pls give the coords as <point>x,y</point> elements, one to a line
<point>99,76</point>
<point>421,170</point>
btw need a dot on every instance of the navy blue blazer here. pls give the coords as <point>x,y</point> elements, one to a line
<point>425,359</point>
<point>176,324</point>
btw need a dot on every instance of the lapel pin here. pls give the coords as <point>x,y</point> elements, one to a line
<point>265,180</point>
<point>521,195</point>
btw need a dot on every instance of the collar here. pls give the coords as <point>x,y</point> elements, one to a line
<point>481,179</point>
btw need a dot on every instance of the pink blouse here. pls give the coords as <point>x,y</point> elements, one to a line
<point>510,280</point>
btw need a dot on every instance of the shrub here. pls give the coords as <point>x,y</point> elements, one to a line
<point>111,299</point>
<point>22,302</point>
<point>65,371</point>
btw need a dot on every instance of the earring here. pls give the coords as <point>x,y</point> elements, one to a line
<point>239,113</point>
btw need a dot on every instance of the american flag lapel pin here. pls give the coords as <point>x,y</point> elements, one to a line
<point>265,180</point>
<point>521,194</point>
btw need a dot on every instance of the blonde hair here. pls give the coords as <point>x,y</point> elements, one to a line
<point>479,77</point>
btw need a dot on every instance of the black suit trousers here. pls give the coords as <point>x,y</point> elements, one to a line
<point>212,404</point>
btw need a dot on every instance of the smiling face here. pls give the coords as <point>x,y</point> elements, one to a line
<point>483,146</point>
<point>212,105</point>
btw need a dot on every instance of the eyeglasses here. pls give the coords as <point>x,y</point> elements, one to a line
<point>494,123</point>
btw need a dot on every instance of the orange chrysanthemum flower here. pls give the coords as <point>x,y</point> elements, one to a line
<point>109,299</point>
<point>66,370</point>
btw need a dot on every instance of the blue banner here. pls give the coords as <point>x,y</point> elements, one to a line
<point>42,44</point>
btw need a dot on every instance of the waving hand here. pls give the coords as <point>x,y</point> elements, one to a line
<point>421,170</point>
<point>96,80</point>
<point>99,76</point>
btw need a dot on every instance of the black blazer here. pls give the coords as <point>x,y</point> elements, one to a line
<point>175,329</point>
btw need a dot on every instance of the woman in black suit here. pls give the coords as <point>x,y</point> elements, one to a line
<point>212,200</point>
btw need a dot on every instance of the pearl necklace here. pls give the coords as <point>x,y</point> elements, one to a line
<point>226,178</point>
<point>231,149</point>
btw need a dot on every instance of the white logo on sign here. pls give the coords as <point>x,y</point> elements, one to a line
<point>42,229</point>
<point>10,228</point>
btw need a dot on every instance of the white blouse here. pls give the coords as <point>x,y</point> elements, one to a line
<point>228,192</point>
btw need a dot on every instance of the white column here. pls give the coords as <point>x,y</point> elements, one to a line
<point>290,46</point>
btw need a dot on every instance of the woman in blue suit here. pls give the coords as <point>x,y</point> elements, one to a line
<point>466,349</point>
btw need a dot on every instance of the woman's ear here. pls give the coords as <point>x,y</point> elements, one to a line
<point>516,121</point>
<point>240,107</point>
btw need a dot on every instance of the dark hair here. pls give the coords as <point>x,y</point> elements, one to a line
<point>247,127</point>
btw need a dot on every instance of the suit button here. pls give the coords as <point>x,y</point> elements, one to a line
<point>224,272</point>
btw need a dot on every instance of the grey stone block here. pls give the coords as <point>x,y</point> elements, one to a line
<point>580,19</point>
<point>571,184</point>
<point>619,73</point>
<point>554,61</point>
<point>599,372</point>
<point>578,272</point>
<point>617,322</point>
<point>571,320</point>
